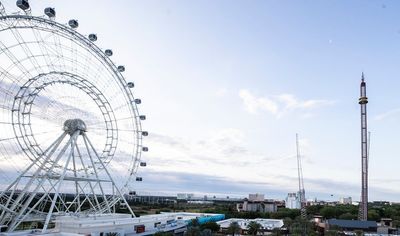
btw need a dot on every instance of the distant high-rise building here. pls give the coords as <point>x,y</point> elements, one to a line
<point>345,200</point>
<point>256,197</point>
<point>257,203</point>
<point>185,196</point>
<point>292,201</point>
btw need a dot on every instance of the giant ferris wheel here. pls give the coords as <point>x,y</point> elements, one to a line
<point>70,129</point>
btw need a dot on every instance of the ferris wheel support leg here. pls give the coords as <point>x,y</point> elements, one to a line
<point>71,142</point>
<point>53,147</point>
<point>82,192</point>
<point>16,220</point>
<point>95,171</point>
<point>90,184</point>
<point>53,187</point>
<point>27,213</point>
<point>2,10</point>
<point>87,198</point>
<point>108,173</point>
<point>16,181</point>
<point>113,193</point>
<point>77,193</point>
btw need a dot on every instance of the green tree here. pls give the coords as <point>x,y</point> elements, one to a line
<point>253,227</point>
<point>358,232</point>
<point>396,223</point>
<point>214,227</point>
<point>160,233</point>
<point>112,234</point>
<point>288,222</point>
<point>347,216</point>
<point>285,212</point>
<point>297,228</point>
<point>194,222</point>
<point>276,232</point>
<point>206,232</point>
<point>331,233</point>
<point>302,227</point>
<point>373,215</point>
<point>193,231</point>
<point>234,228</point>
<point>328,212</point>
<point>193,228</point>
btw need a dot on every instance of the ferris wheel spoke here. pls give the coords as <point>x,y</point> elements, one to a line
<point>44,49</point>
<point>60,53</point>
<point>6,75</point>
<point>125,118</point>
<point>74,55</point>
<point>13,59</point>
<point>26,49</point>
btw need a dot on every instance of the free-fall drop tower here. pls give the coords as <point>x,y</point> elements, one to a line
<point>363,100</point>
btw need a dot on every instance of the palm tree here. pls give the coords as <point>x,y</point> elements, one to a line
<point>253,227</point>
<point>234,228</point>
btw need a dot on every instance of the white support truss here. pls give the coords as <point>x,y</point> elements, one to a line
<point>37,193</point>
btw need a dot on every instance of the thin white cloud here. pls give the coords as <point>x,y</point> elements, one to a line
<point>253,104</point>
<point>222,92</point>
<point>387,114</point>
<point>279,105</point>
<point>223,154</point>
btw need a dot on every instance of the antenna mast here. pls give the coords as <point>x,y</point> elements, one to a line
<point>302,193</point>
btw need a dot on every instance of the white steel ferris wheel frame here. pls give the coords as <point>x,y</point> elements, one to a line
<point>16,205</point>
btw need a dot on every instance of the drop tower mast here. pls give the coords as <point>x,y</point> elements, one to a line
<point>363,100</point>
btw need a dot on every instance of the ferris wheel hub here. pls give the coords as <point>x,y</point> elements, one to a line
<point>73,125</point>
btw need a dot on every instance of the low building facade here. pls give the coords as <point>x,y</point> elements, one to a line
<point>267,225</point>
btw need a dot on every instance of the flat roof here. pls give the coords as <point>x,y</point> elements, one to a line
<point>358,224</point>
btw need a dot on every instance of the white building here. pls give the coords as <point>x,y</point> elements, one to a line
<point>256,197</point>
<point>185,196</point>
<point>345,200</point>
<point>292,201</point>
<point>121,224</point>
<point>266,224</point>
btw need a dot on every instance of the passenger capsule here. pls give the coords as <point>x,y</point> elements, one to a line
<point>92,37</point>
<point>132,192</point>
<point>121,68</point>
<point>143,164</point>
<point>109,52</point>
<point>23,4</point>
<point>145,133</point>
<point>142,117</point>
<point>130,84</point>
<point>73,23</point>
<point>50,12</point>
<point>139,179</point>
<point>138,101</point>
<point>145,149</point>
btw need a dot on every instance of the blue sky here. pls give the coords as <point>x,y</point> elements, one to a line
<point>226,85</point>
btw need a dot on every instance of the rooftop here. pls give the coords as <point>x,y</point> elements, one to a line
<point>358,224</point>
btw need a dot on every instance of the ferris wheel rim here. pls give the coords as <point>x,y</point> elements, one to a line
<point>84,41</point>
